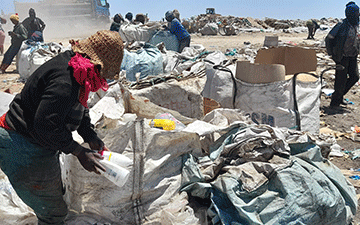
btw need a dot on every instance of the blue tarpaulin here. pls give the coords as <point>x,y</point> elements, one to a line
<point>254,175</point>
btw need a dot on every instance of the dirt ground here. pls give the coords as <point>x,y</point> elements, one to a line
<point>339,122</point>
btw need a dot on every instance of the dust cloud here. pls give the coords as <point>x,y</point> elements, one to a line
<point>76,29</point>
<point>62,24</point>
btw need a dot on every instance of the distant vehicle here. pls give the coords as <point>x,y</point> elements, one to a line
<point>210,14</point>
<point>65,10</point>
<point>210,11</point>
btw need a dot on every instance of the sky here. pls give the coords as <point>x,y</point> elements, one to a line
<point>277,9</point>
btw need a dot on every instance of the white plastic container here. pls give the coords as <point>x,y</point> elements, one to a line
<point>117,158</point>
<point>116,167</point>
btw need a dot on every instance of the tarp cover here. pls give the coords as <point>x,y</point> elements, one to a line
<point>254,175</point>
<point>170,40</point>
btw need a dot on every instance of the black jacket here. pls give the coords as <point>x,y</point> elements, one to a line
<point>335,40</point>
<point>33,24</point>
<point>48,109</point>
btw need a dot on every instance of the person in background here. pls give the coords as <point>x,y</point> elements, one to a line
<point>40,120</point>
<point>312,26</point>
<point>140,18</point>
<point>118,20</point>
<point>18,35</point>
<point>35,26</point>
<point>176,14</point>
<point>2,35</point>
<point>179,30</point>
<point>342,44</point>
<point>129,17</point>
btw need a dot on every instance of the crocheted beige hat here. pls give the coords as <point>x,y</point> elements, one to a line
<point>15,17</point>
<point>105,48</point>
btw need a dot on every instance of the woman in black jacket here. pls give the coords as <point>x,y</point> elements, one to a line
<point>40,121</point>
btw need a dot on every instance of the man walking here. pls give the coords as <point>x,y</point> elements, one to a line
<point>342,44</point>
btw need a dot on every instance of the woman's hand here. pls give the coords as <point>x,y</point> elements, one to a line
<point>97,144</point>
<point>89,160</point>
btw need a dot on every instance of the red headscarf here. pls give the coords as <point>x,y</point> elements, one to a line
<point>87,76</point>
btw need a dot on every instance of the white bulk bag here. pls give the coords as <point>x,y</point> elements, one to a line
<point>290,103</point>
<point>150,195</point>
<point>219,85</point>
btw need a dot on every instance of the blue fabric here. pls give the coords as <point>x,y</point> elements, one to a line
<point>37,36</point>
<point>35,174</point>
<point>170,40</point>
<point>178,29</point>
<point>148,61</point>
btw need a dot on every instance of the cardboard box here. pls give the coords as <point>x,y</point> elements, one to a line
<point>295,59</point>
<point>276,64</point>
<point>271,41</point>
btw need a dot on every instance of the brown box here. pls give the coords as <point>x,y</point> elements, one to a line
<point>295,59</point>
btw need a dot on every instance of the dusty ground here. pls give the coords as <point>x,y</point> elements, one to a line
<point>339,122</point>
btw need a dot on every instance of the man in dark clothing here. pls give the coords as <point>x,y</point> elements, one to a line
<point>40,120</point>
<point>18,35</point>
<point>179,30</point>
<point>129,17</point>
<point>342,45</point>
<point>115,26</point>
<point>140,18</point>
<point>312,26</point>
<point>35,26</point>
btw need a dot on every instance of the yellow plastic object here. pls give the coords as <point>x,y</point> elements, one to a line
<point>165,124</point>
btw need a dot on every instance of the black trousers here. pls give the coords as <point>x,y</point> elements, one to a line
<point>311,31</point>
<point>344,79</point>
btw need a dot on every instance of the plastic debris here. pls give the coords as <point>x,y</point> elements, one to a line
<point>355,177</point>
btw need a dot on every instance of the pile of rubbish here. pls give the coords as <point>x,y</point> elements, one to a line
<point>219,169</point>
<point>231,156</point>
<point>229,25</point>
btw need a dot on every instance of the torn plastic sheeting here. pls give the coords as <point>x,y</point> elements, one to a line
<point>269,192</point>
<point>111,105</point>
<point>177,63</point>
<point>181,96</point>
<point>12,209</point>
<point>251,143</point>
<point>127,103</point>
<point>209,29</point>
<point>5,100</point>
